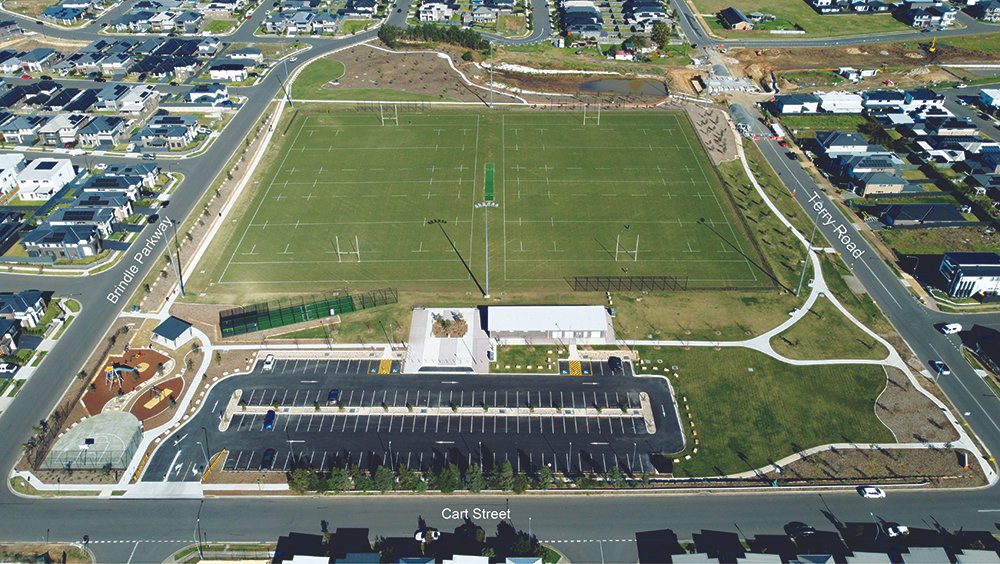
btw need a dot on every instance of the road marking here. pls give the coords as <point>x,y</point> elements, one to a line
<point>308,382</point>
<point>988,511</point>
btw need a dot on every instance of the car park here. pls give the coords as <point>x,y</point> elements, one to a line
<point>871,492</point>
<point>267,459</point>
<point>940,368</point>
<point>951,328</point>
<point>616,365</point>
<point>268,363</point>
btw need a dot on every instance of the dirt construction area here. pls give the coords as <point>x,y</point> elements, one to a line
<point>422,73</point>
<point>902,62</point>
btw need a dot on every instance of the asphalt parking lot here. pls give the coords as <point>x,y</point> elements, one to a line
<point>562,440</point>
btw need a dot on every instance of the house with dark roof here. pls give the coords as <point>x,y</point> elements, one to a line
<point>211,94</point>
<point>148,172</point>
<point>878,183</point>
<point>26,306</point>
<point>796,104</point>
<point>103,131</point>
<point>169,131</point>
<point>63,129</point>
<point>128,186</point>
<point>62,242</point>
<point>22,129</point>
<point>920,215</point>
<point>988,11</point>
<point>735,19</point>
<point>116,201</point>
<point>836,143</point>
<point>970,274</point>
<point>103,219</point>
<point>173,333</point>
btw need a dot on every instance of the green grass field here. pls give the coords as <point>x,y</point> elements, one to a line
<point>798,12</point>
<point>750,409</point>
<point>349,203</point>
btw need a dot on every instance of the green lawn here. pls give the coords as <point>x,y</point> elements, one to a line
<point>348,204</point>
<point>812,124</point>
<point>938,241</point>
<point>824,333</point>
<point>350,27</point>
<point>220,26</point>
<point>746,419</point>
<point>798,12</point>
<point>309,84</point>
<point>520,357</point>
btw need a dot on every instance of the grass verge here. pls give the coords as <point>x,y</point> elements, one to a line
<point>749,409</point>
<point>824,333</point>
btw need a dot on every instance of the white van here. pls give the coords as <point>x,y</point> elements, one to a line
<point>951,328</point>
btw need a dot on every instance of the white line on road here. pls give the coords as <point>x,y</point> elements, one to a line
<point>308,381</point>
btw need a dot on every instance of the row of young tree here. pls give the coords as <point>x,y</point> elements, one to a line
<point>455,35</point>
<point>447,479</point>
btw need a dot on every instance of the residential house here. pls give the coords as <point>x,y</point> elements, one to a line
<point>987,11</point>
<point>211,94</point>
<point>148,172</point>
<point>435,11</point>
<point>582,19</point>
<point>103,131</point>
<point>990,97</point>
<point>971,274</point>
<point>987,162</point>
<point>188,22</point>
<point>483,15</point>
<point>230,71</point>
<point>922,99</point>
<point>10,332</point>
<point>102,219</point>
<point>38,58</point>
<point>950,126</point>
<point>118,203</point>
<point>248,54</point>
<point>10,227</point>
<point>169,131</point>
<point>325,22</point>
<point>836,143</point>
<point>920,215</point>
<point>26,306</point>
<point>11,164</point>
<point>42,178</point>
<point>22,129</point>
<point>128,186</point>
<point>855,166</point>
<point>840,102</point>
<point>796,104</point>
<point>641,14</point>
<point>360,9</point>
<point>209,47</point>
<point>139,101</point>
<point>62,242</point>
<point>937,15</point>
<point>880,99</point>
<point>114,63</point>
<point>735,19</point>
<point>9,29</point>
<point>63,16</point>
<point>878,183</point>
<point>62,130</point>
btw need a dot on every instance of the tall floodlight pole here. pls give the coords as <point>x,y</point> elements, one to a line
<point>177,248</point>
<point>486,206</point>
<point>805,259</point>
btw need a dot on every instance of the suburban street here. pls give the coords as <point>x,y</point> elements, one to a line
<point>142,530</point>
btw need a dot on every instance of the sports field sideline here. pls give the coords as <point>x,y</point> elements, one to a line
<point>350,202</point>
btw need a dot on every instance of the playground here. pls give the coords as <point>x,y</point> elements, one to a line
<point>157,398</point>
<point>121,375</point>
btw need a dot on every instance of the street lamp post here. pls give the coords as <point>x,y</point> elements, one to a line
<point>486,206</point>
<point>805,259</point>
<point>204,451</point>
<point>177,248</point>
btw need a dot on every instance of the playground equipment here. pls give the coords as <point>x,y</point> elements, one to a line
<point>114,374</point>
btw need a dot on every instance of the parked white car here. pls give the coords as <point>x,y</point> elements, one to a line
<point>268,362</point>
<point>871,492</point>
<point>951,328</point>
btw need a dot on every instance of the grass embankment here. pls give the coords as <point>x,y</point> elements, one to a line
<point>824,333</point>
<point>746,419</point>
<point>939,241</point>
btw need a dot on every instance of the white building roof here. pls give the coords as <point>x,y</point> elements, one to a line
<point>45,169</point>
<point>547,318</point>
<point>10,160</point>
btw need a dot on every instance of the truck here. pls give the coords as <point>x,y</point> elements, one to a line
<point>777,130</point>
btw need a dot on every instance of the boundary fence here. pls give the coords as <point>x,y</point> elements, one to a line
<point>260,317</point>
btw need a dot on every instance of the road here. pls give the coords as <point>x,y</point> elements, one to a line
<point>115,524</point>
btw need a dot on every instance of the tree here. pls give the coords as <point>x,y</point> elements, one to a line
<point>521,484</point>
<point>616,477</point>
<point>474,479</point>
<point>660,34</point>
<point>303,480</point>
<point>408,479</point>
<point>505,480</point>
<point>449,479</point>
<point>339,480</point>
<point>362,481</point>
<point>467,56</point>
<point>544,478</point>
<point>384,479</point>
